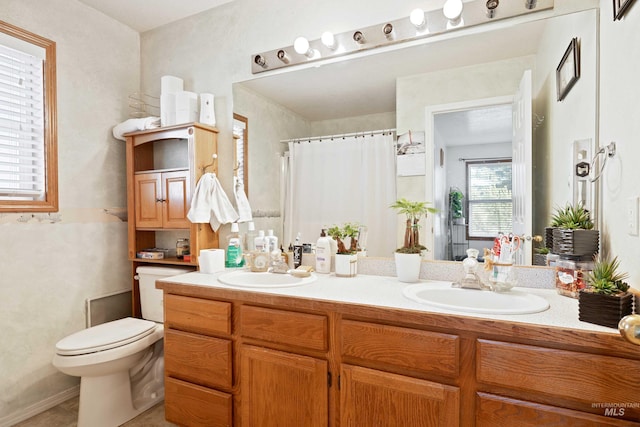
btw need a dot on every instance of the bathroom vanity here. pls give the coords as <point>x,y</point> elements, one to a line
<point>356,352</point>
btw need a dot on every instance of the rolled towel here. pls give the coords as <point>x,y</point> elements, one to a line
<point>133,125</point>
<point>242,203</point>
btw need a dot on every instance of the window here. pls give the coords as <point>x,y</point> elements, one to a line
<point>28,136</point>
<point>241,136</point>
<point>489,201</point>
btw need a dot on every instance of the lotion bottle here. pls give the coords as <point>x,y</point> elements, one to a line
<point>250,238</point>
<point>270,242</point>
<point>323,253</point>
<point>260,242</point>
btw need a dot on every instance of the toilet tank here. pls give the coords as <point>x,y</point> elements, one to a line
<point>150,297</point>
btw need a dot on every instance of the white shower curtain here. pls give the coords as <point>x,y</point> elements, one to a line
<point>345,179</point>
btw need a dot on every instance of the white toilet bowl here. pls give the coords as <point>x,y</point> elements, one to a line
<point>120,363</point>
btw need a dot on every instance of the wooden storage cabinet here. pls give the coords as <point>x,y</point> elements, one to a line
<point>163,168</point>
<point>162,199</point>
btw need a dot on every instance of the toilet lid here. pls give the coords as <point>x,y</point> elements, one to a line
<point>105,336</point>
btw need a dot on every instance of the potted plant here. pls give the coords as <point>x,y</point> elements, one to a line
<point>346,264</point>
<point>606,299</point>
<point>573,232</point>
<point>409,256</point>
<point>456,198</point>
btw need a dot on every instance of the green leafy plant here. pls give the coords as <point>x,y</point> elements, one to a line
<point>341,233</point>
<point>572,218</point>
<point>542,250</point>
<point>456,198</point>
<point>605,278</point>
<point>414,211</point>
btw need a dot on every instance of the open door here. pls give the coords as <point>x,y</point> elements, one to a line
<point>522,186</point>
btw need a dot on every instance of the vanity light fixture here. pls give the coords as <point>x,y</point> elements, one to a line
<point>259,59</point>
<point>452,10</point>
<point>301,46</point>
<point>417,18</point>
<point>329,40</point>
<point>388,31</point>
<point>282,56</point>
<point>492,5</point>
<point>421,24</point>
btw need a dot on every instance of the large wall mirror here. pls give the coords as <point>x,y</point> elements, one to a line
<point>415,88</point>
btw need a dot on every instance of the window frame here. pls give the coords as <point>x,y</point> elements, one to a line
<point>467,188</point>
<point>50,202</point>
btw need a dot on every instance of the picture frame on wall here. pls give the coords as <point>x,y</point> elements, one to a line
<point>568,71</point>
<point>620,7</point>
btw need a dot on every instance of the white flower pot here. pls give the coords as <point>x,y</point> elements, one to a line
<point>346,265</point>
<point>408,267</point>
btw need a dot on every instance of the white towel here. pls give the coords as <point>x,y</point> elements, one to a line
<point>210,203</point>
<point>133,125</point>
<point>242,203</point>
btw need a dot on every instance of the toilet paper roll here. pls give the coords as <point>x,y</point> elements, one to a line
<point>171,84</point>
<point>211,260</point>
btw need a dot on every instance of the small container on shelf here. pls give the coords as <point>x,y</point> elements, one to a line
<point>182,248</point>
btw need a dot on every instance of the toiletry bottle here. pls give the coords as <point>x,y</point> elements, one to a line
<point>271,242</point>
<point>297,252</point>
<point>234,249</point>
<point>259,242</point>
<point>290,256</point>
<point>250,238</point>
<point>323,253</point>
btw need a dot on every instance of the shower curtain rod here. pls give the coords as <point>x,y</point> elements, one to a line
<point>482,159</point>
<point>332,137</point>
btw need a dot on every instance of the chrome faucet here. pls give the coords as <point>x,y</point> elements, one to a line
<point>471,279</point>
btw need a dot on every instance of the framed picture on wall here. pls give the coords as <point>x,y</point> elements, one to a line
<point>620,7</point>
<point>568,71</point>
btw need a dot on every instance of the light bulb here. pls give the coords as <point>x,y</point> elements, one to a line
<point>452,9</point>
<point>301,46</point>
<point>328,40</point>
<point>417,18</point>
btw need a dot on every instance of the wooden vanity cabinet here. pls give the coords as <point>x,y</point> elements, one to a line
<point>253,359</point>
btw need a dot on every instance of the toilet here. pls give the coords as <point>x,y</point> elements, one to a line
<point>120,363</point>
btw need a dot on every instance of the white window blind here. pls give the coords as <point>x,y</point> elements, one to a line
<point>22,145</point>
<point>489,198</point>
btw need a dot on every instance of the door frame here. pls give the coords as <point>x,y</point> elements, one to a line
<point>435,222</point>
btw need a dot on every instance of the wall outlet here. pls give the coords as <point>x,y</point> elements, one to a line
<point>632,216</point>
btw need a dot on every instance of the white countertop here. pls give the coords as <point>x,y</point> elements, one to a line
<point>385,291</point>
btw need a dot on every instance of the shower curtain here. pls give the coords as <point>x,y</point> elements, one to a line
<point>342,179</point>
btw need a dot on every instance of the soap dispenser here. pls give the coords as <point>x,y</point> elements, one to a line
<point>234,248</point>
<point>323,253</point>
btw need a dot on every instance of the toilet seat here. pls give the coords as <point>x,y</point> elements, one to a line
<point>105,336</point>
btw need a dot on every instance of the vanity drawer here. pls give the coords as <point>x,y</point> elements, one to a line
<point>568,374</point>
<point>198,359</point>
<point>200,405</point>
<point>284,327</point>
<point>197,315</point>
<point>424,351</point>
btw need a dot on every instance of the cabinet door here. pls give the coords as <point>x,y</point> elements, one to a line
<point>374,398</point>
<point>176,199</point>
<point>148,197</point>
<point>282,389</point>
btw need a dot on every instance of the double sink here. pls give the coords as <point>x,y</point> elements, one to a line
<point>431,293</point>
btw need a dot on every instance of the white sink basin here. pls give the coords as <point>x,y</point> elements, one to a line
<point>474,301</point>
<point>247,279</point>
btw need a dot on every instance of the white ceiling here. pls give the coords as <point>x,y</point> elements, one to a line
<point>144,15</point>
<point>485,125</point>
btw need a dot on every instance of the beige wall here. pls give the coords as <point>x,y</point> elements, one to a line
<point>49,266</point>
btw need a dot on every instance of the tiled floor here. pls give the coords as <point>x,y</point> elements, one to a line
<point>66,415</point>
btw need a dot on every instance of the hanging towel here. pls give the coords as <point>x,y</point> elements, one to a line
<point>242,203</point>
<point>133,125</point>
<point>210,203</point>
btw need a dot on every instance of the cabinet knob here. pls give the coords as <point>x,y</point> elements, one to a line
<point>161,200</point>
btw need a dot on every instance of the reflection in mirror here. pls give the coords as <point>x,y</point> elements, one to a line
<point>241,151</point>
<point>396,88</point>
